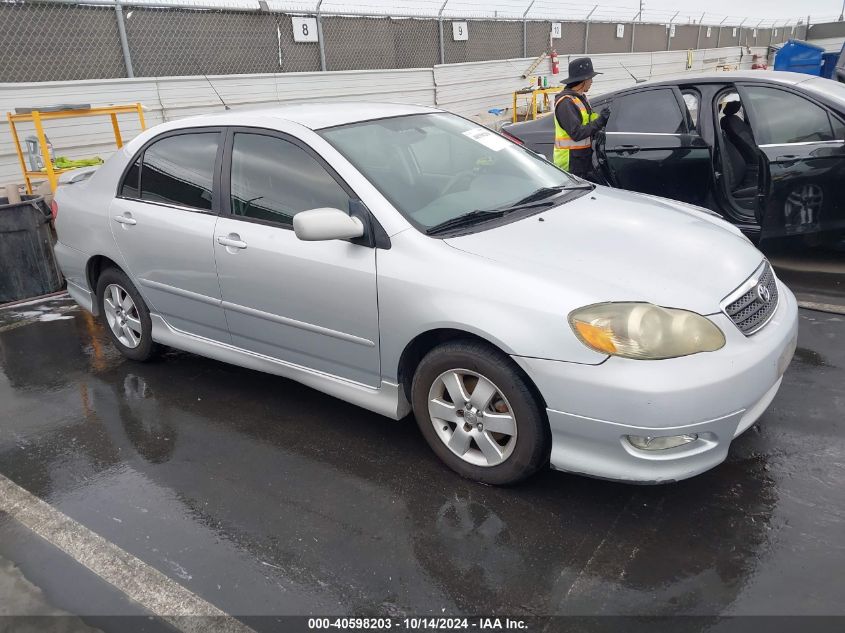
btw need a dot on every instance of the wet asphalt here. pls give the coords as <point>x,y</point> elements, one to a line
<point>265,497</point>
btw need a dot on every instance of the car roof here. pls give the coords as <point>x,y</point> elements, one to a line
<point>314,116</point>
<point>769,76</point>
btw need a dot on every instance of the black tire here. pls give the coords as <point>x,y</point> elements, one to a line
<point>533,438</point>
<point>146,348</point>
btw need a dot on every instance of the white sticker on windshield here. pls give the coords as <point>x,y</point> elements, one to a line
<point>488,139</point>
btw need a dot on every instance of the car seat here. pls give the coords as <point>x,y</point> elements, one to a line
<point>739,132</point>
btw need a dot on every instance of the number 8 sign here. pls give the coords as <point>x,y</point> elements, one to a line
<point>304,29</point>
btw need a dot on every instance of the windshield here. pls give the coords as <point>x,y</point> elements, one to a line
<point>436,167</point>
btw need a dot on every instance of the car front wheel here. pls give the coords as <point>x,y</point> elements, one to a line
<point>479,414</point>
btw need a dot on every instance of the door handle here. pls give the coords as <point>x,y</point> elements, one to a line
<point>627,149</point>
<point>233,240</point>
<point>789,159</point>
<point>125,219</point>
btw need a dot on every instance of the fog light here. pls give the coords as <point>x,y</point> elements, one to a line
<point>648,443</point>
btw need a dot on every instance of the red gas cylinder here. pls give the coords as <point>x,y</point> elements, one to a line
<point>757,64</point>
<point>555,63</point>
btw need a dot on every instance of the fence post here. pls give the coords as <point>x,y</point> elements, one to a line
<point>320,37</point>
<point>669,32</point>
<point>525,29</point>
<point>587,29</point>
<point>124,42</point>
<point>719,33</point>
<point>633,32</point>
<point>698,39</point>
<point>440,31</point>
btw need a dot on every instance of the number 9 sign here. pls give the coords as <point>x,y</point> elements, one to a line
<point>459,31</point>
<point>304,29</point>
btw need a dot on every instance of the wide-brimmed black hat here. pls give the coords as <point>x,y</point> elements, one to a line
<point>580,69</point>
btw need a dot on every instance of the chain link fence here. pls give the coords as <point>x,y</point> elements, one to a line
<point>48,40</point>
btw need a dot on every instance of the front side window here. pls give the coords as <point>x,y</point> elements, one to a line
<point>649,111</point>
<point>436,167</point>
<point>781,117</point>
<point>179,170</point>
<point>273,180</point>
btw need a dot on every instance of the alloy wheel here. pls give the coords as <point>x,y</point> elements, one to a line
<point>122,316</point>
<point>472,417</point>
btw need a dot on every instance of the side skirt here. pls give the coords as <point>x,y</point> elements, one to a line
<point>388,400</point>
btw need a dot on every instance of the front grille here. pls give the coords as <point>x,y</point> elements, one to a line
<point>748,307</point>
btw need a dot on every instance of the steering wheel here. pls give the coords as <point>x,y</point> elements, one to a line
<point>456,179</point>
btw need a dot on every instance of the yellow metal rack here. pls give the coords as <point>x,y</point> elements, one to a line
<point>37,118</point>
<point>532,93</point>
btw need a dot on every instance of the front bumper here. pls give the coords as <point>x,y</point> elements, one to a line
<point>716,395</point>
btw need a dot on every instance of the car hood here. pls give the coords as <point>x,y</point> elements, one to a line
<point>612,245</point>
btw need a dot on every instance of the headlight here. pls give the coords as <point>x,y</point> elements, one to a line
<point>644,331</point>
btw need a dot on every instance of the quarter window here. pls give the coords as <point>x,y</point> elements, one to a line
<point>692,100</point>
<point>654,111</point>
<point>781,117</point>
<point>273,180</point>
<point>179,170</point>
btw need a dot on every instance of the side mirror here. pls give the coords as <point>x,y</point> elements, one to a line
<point>318,225</point>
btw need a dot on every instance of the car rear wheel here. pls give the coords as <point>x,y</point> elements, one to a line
<point>478,413</point>
<point>127,316</point>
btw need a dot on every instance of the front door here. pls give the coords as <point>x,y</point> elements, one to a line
<point>651,145</point>
<point>312,304</point>
<point>163,224</point>
<point>803,151</point>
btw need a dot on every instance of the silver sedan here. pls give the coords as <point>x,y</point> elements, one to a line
<point>405,259</point>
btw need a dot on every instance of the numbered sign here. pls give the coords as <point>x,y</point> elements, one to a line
<point>734,33</point>
<point>709,30</point>
<point>672,31</point>
<point>459,31</point>
<point>557,30</point>
<point>304,29</point>
<point>620,31</point>
<point>754,33</point>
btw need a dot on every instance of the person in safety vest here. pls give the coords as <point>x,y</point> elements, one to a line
<point>575,121</point>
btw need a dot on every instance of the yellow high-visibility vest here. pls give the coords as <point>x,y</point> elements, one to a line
<point>563,142</point>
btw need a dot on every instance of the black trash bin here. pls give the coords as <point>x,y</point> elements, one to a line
<point>27,263</point>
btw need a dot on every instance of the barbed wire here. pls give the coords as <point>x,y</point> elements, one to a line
<point>501,9</point>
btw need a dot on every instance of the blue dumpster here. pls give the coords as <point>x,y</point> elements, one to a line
<point>829,65</point>
<point>798,56</point>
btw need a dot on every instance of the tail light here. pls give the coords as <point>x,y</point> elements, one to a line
<point>54,209</point>
<point>511,137</point>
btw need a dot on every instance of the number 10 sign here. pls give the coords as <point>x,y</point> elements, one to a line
<point>304,29</point>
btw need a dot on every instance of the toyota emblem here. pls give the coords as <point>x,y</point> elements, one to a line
<point>764,293</point>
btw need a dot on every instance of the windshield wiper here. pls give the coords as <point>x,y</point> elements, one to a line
<point>547,192</point>
<point>467,219</point>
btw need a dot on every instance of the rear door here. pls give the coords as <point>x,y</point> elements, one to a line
<point>803,156</point>
<point>651,145</point>
<point>163,223</point>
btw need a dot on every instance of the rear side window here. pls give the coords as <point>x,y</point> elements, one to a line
<point>180,170</point>
<point>650,111</point>
<point>177,170</point>
<point>781,117</point>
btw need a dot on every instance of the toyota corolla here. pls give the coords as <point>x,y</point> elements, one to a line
<point>405,259</point>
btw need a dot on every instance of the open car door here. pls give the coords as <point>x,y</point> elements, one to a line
<point>802,151</point>
<point>651,145</point>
